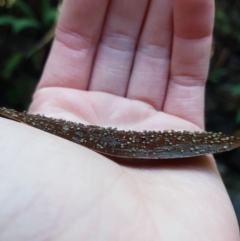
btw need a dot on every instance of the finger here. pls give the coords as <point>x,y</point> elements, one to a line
<point>151,66</point>
<point>117,46</point>
<point>193,24</point>
<point>77,34</point>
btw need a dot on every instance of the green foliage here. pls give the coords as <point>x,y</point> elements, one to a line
<point>216,74</point>
<point>18,24</point>
<point>236,89</point>
<point>24,8</point>
<point>11,65</point>
<point>23,46</point>
<point>48,13</point>
<point>28,18</point>
<point>222,21</point>
<point>24,20</point>
<point>227,20</point>
<point>224,74</point>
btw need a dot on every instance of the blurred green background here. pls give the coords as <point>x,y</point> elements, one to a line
<point>26,32</point>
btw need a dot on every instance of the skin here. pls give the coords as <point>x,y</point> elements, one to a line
<point>133,65</point>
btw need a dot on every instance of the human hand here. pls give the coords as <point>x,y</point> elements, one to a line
<point>130,65</point>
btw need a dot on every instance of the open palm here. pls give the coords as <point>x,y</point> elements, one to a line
<point>133,64</point>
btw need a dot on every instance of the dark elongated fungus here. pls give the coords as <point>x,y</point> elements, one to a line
<point>130,144</point>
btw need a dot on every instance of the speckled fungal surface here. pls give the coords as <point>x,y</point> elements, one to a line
<point>130,144</point>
